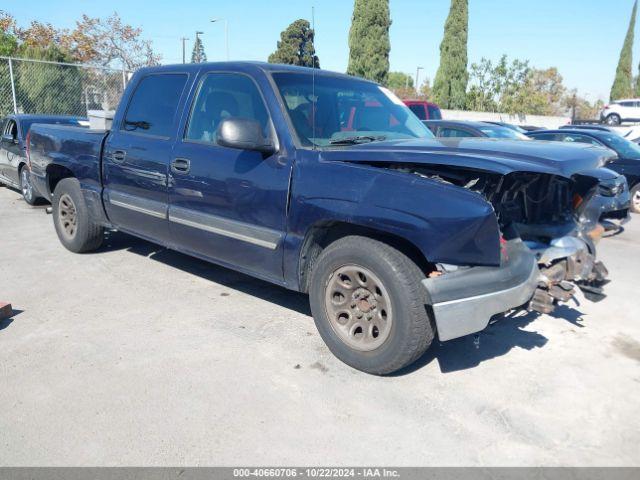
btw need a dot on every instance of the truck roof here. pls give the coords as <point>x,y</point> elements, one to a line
<point>243,65</point>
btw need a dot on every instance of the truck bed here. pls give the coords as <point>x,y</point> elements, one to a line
<point>77,148</point>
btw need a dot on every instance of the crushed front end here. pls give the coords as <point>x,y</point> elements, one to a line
<point>550,227</point>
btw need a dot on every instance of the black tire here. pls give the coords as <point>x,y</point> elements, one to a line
<point>635,198</point>
<point>613,119</point>
<point>411,330</point>
<point>81,234</point>
<point>28,194</point>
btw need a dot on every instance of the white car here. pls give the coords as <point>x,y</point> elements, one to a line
<point>625,110</point>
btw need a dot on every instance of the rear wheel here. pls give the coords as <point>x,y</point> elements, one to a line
<point>613,119</point>
<point>74,226</point>
<point>635,198</point>
<point>26,188</point>
<point>369,305</point>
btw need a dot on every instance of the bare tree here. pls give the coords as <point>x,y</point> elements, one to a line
<point>110,42</point>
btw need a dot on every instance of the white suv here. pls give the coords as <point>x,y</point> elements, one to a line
<point>626,110</point>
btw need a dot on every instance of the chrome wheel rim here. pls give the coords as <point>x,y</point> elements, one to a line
<point>67,216</point>
<point>27,190</point>
<point>358,307</point>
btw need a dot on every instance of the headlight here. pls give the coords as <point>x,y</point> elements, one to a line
<point>610,189</point>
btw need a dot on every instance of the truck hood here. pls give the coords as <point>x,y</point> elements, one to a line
<point>491,155</point>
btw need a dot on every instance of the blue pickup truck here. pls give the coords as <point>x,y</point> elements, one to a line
<point>328,184</point>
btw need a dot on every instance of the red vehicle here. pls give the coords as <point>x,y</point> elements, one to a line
<point>424,110</point>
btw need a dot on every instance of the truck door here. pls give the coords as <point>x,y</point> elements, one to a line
<point>227,204</point>
<point>137,154</point>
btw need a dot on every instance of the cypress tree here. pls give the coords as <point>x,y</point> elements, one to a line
<point>369,44</point>
<point>623,84</point>
<point>450,83</point>
<point>296,46</point>
<point>198,55</point>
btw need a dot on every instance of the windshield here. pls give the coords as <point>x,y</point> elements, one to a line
<point>622,146</point>
<point>345,111</point>
<point>502,132</point>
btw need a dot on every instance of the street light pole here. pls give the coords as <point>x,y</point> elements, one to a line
<point>184,39</point>
<point>226,33</point>
<point>418,76</point>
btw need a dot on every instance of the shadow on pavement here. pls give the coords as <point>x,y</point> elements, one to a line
<point>8,321</point>
<point>209,271</point>
<point>499,338</point>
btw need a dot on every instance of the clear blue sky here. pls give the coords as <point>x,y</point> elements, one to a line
<point>581,37</point>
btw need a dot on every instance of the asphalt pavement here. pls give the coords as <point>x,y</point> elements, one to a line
<point>135,355</point>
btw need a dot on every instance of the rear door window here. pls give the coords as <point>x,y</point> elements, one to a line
<point>580,139</point>
<point>154,104</point>
<point>545,136</point>
<point>454,132</point>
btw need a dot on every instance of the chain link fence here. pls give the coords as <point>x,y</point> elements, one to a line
<point>42,87</point>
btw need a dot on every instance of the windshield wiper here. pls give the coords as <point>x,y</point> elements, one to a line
<point>355,140</point>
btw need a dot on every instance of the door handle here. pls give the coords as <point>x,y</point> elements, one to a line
<point>180,166</point>
<point>118,156</point>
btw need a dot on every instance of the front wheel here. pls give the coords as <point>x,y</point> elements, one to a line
<point>75,228</point>
<point>26,188</point>
<point>635,198</point>
<point>369,305</point>
<point>613,119</point>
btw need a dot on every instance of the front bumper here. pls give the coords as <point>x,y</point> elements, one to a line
<point>464,301</point>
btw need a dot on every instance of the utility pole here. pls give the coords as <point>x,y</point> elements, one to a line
<point>184,39</point>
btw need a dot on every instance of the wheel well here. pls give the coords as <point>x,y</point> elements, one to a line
<point>55,173</point>
<point>323,234</point>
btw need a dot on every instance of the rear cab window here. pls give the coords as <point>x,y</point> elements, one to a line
<point>434,112</point>
<point>419,111</point>
<point>154,104</point>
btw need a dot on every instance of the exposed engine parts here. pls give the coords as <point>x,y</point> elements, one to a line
<point>565,264</point>
<point>547,213</point>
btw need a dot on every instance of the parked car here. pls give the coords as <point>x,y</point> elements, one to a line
<point>627,162</point>
<point>611,200</point>
<point>424,110</point>
<point>625,110</point>
<point>12,150</point>
<point>460,128</point>
<point>531,128</point>
<point>602,128</point>
<point>249,165</point>
<point>517,128</point>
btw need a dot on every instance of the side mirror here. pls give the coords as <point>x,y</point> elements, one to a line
<point>8,138</point>
<point>243,134</point>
